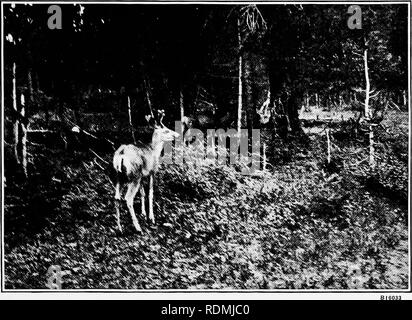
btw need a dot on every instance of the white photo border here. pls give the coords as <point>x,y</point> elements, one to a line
<point>178,294</point>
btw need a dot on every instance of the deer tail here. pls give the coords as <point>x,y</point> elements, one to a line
<point>127,161</point>
<point>118,159</point>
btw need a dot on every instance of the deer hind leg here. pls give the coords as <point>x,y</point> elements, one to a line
<point>132,189</point>
<point>117,188</point>
<point>117,198</point>
<point>142,200</point>
<point>151,215</point>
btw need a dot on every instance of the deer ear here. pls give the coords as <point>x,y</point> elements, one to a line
<point>150,120</point>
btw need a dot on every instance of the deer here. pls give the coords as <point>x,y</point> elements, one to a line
<point>133,163</point>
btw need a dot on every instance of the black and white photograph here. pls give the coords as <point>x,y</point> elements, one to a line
<point>205,147</point>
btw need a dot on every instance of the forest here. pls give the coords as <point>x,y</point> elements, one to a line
<point>327,207</point>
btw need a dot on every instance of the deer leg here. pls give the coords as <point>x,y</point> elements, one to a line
<point>117,195</point>
<point>151,215</point>
<point>119,226</point>
<point>117,198</point>
<point>132,189</point>
<point>142,200</point>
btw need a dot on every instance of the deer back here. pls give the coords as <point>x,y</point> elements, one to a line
<point>135,161</point>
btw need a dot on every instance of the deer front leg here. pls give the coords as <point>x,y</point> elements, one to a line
<point>151,215</point>
<point>117,194</point>
<point>132,189</point>
<point>117,198</point>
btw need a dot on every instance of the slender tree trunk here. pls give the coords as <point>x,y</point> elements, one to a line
<point>405,99</point>
<point>368,85</point>
<point>329,145</point>
<point>23,130</point>
<point>25,114</point>
<point>264,156</point>
<point>368,111</point>
<point>181,104</point>
<point>248,90</point>
<point>182,109</point>
<point>149,102</point>
<point>131,128</point>
<point>372,162</point>
<point>307,97</point>
<point>240,85</point>
<point>16,121</point>
<point>30,87</point>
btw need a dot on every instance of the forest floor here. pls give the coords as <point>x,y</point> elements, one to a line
<point>301,225</point>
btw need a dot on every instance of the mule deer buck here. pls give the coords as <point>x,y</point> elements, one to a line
<point>134,163</point>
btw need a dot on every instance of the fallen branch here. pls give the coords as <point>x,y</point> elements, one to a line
<point>88,133</point>
<point>40,130</point>
<point>359,162</point>
<point>95,162</point>
<point>99,157</point>
<point>395,105</point>
<point>35,144</point>
<point>374,95</point>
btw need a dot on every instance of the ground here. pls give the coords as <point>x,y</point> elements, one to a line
<point>303,224</point>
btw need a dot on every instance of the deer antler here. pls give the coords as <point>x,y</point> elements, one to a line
<point>161,114</point>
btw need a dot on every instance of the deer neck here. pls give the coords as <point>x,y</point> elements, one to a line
<point>157,147</point>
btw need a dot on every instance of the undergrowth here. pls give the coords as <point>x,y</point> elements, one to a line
<point>298,225</point>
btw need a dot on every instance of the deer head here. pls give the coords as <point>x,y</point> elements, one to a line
<point>161,133</point>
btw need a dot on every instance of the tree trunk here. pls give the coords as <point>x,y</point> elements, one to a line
<point>368,111</point>
<point>405,99</point>
<point>23,130</point>
<point>240,69</point>
<point>149,102</point>
<point>30,87</point>
<point>131,128</point>
<point>182,110</point>
<point>264,157</point>
<point>25,114</point>
<point>329,146</point>
<point>284,76</point>
<point>372,162</point>
<point>292,112</point>
<point>182,107</point>
<point>367,81</point>
<point>16,121</point>
<point>307,97</point>
<point>182,113</point>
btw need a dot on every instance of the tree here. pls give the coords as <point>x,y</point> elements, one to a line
<point>285,27</point>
